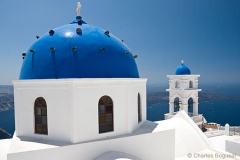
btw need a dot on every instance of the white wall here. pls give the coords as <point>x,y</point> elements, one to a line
<point>183,80</point>
<point>188,136</point>
<point>152,146</point>
<point>56,96</point>
<point>72,106</point>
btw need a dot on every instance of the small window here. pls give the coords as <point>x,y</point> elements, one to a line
<point>177,84</point>
<point>40,112</point>
<point>190,84</point>
<point>105,114</point>
<point>139,109</point>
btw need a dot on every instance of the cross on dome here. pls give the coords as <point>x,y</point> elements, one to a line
<point>182,69</point>
<point>79,6</point>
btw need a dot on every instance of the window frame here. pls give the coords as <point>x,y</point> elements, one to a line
<point>105,115</point>
<point>39,116</point>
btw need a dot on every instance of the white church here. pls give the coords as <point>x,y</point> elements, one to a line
<point>79,97</point>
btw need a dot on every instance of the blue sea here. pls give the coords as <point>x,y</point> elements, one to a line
<point>7,121</point>
<point>218,111</point>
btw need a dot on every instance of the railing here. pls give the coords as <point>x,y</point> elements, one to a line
<point>234,130</point>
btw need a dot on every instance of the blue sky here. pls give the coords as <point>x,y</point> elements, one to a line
<point>205,33</point>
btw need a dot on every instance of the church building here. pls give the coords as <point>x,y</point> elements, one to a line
<point>82,84</point>
<point>80,97</point>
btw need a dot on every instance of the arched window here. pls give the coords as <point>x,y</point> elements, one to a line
<point>177,84</point>
<point>40,111</point>
<point>190,84</point>
<point>177,104</point>
<point>105,114</point>
<point>139,109</point>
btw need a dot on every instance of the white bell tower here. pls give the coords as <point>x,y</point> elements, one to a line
<point>183,92</point>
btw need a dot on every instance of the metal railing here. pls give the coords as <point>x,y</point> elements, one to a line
<point>234,131</point>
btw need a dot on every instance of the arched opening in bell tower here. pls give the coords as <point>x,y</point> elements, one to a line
<point>190,105</point>
<point>177,104</point>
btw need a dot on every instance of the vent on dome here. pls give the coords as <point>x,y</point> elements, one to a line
<point>78,31</point>
<point>23,55</point>
<point>74,48</point>
<point>51,32</point>
<point>52,49</point>
<point>107,32</point>
<point>103,49</point>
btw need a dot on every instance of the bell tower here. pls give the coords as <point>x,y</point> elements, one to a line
<point>183,92</point>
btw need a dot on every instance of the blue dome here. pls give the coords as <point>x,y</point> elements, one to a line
<point>78,50</point>
<point>182,70</point>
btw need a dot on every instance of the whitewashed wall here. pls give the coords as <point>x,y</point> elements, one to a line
<point>183,80</point>
<point>72,107</point>
<point>152,146</point>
